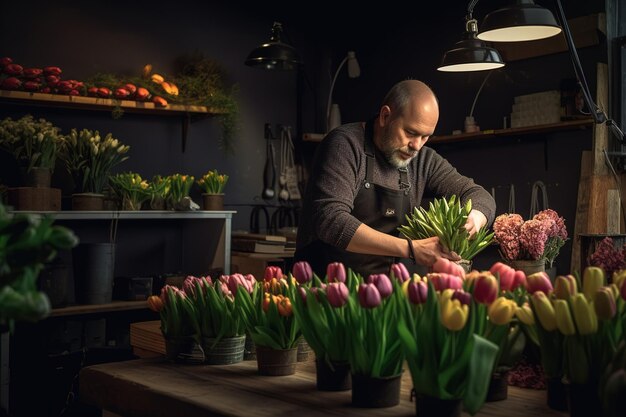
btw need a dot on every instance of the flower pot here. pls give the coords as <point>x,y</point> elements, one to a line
<point>87,201</point>
<point>276,362</point>
<point>213,202</point>
<point>498,387</point>
<point>304,350</point>
<point>529,266</point>
<point>94,264</point>
<point>37,177</point>
<point>556,394</point>
<point>427,406</point>
<point>332,377</point>
<point>226,351</point>
<point>372,392</point>
<point>249,349</point>
<point>183,349</point>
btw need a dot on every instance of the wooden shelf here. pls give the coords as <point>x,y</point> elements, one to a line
<point>95,103</point>
<point>99,308</point>
<point>490,134</point>
<point>134,215</point>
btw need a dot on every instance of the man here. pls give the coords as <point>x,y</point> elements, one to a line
<point>367,176</point>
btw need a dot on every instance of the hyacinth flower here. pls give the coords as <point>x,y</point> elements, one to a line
<point>320,310</point>
<point>269,311</point>
<point>447,357</point>
<point>372,312</point>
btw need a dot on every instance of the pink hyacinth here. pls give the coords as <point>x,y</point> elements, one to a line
<point>533,237</point>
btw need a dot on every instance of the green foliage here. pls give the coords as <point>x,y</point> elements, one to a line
<point>446,220</point>
<point>27,242</point>
<point>212,182</point>
<point>131,189</point>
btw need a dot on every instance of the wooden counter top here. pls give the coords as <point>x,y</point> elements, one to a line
<point>154,388</point>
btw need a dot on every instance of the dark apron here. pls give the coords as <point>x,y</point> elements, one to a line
<point>379,207</point>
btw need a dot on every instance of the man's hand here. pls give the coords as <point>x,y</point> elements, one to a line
<point>475,220</point>
<point>428,250</point>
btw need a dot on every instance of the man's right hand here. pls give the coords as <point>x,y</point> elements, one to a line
<point>428,250</point>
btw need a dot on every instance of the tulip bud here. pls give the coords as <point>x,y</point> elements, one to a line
<point>505,273</point>
<point>369,296</point>
<point>337,294</point>
<point>539,281</point>
<point>13,69</point>
<point>155,303</point>
<point>604,303</point>
<point>525,315</point>
<point>284,306</point>
<point>446,266</point>
<point>443,281</point>
<point>10,83</point>
<point>593,278</point>
<point>302,272</point>
<point>52,71</point>
<point>453,314</point>
<point>622,290</point>
<point>485,289</point>
<point>417,292</point>
<point>382,283</point>
<point>399,272</point>
<point>564,321</point>
<point>519,280</point>
<point>565,286</point>
<point>32,72</point>
<point>272,272</point>
<point>335,271</point>
<point>619,277</point>
<point>584,314</point>
<point>544,310</point>
<point>501,311</point>
<point>463,297</point>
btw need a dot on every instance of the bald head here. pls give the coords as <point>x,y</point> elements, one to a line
<point>411,95</point>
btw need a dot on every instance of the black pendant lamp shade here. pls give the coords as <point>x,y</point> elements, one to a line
<point>471,54</point>
<point>274,54</point>
<point>524,21</point>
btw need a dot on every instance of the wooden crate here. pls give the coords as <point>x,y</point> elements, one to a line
<point>146,339</point>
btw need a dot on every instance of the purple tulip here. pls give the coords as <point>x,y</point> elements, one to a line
<point>463,297</point>
<point>302,272</point>
<point>369,296</point>
<point>382,283</point>
<point>335,272</point>
<point>337,294</point>
<point>417,292</point>
<point>399,272</point>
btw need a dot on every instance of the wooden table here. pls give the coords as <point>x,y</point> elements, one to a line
<point>154,388</point>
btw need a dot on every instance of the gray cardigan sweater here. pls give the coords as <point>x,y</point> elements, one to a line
<point>339,171</point>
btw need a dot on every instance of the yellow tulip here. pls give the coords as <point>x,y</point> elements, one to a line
<point>501,311</point>
<point>544,310</point>
<point>453,314</point>
<point>564,320</point>
<point>584,315</point>
<point>593,278</point>
<point>565,286</point>
<point>604,303</point>
<point>525,315</point>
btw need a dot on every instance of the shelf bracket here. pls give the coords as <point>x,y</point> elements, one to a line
<point>186,119</point>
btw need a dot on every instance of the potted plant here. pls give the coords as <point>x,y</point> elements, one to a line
<point>89,158</point>
<point>34,143</point>
<point>159,189</point>
<point>446,219</point>
<point>131,189</point>
<point>178,195</point>
<point>212,185</point>
<point>530,245</point>
<point>27,242</point>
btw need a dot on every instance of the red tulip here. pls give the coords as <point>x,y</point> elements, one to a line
<point>506,275</point>
<point>539,281</point>
<point>10,83</point>
<point>32,72</point>
<point>273,272</point>
<point>52,71</point>
<point>335,271</point>
<point>382,283</point>
<point>302,272</point>
<point>443,281</point>
<point>337,294</point>
<point>447,266</point>
<point>486,289</point>
<point>13,69</point>
<point>369,296</point>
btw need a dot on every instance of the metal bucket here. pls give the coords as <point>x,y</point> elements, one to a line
<point>225,351</point>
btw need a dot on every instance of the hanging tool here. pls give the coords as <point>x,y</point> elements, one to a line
<point>269,171</point>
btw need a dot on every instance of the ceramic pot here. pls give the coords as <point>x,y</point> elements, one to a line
<point>213,202</point>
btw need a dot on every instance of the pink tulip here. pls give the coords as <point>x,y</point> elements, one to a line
<point>382,283</point>
<point>399,272</point>
<point>337,294</point>
<point>369,296</point>
<point>417,292</point>
<point>443,281</point>
<point>505,273</point>
<point>448,267</point>
<point>335,271</point>
<point>302,272</point>
<point>519,280</point>
<point>539,281</point>
<point>273,272</point>
<point>486,288</point>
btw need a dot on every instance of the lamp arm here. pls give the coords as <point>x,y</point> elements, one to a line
<point>599,116</point>
<point>332,87</point>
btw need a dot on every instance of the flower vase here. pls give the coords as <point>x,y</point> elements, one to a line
<point>276,362</point>
<point>225,351</point>
<point>373,392</point>
<point>556,394</point>
<point>427,406</point>
<point>87,201</point>
<point>332,377</point>
<point>529,266</point>
<point>213,202</point>
<point>498,387</point>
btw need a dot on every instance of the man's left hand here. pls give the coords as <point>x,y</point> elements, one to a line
<point>475,220</point>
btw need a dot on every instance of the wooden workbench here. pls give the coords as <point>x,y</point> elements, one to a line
<point>154,388</point>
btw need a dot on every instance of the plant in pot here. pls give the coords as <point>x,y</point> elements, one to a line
<point>159,189</point>
<point>220,317</point>
<point>532,244</point>
<point>212,185</point>
<point>27,242</point>
<point>446,219</point>
<point>271,323</point>
<point>131,189</point>
<point>34,143</point>
<point>178,195</point>
<point>89,159</point>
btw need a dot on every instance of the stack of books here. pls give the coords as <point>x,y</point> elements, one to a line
<point>261,243</point>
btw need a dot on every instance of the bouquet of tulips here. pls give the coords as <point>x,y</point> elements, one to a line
<point>179,187</point>
<point>159,189</point>
<point>269,312</point>
<point>131,189</point>
<point>440,329</point>
<point>179,317</point>
<point>218,314</point>
<point>212,182</point>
